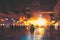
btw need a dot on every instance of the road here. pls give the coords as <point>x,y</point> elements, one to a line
<point>26,35</point>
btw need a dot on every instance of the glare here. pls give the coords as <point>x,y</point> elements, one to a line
<point>35,21</point>
<point>56,26</point>
<point>26,23</point>
<point>53,21</point>
<point>2,19</point>
<point>40,15</point>
<point>6,19</point>
<point>13,20</point>
<point>3,24</point>
<point>41,22</point>
<point>39,33</point>
<point>32,22</point>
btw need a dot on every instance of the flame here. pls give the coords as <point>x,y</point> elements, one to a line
<point>26,23</point>
<point>35,21</point>
<point>41,22</point>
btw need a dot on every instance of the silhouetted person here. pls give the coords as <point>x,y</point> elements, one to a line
<point>32,29</point>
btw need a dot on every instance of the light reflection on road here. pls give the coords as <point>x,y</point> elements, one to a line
<point>39,34</point>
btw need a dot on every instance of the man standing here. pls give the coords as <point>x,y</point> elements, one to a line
<point>32,28</point>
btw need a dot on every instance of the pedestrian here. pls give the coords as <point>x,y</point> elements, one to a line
<point>32,28</point>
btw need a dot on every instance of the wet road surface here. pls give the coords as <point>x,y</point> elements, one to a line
<point>26,35</point>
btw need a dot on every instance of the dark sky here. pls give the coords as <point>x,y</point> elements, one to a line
<point>17,5</point>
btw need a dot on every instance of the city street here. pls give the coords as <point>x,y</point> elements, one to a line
<point>29,19</point>
<point>26,35</point>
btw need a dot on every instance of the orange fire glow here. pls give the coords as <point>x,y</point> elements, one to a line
<point>41,22</point>
<point>37,21</point>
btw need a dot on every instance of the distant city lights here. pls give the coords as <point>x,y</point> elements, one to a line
<point>14,20</point>
<point>6,19</point>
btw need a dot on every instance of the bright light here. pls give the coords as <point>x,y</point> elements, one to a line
<point>6,19</point>
<point>56,26</point>
<point>3,24</point>
<point>40,32</point>
<point>2,19</point>
<point>21,19</point>
<point>34,20</point>
<point>41,22</point>
<point>26,23</point>
<point>40,15</point>
<point>53,21</point>
<point>14,20</point>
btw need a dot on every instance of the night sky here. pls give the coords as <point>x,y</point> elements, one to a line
<point>20,5</point>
